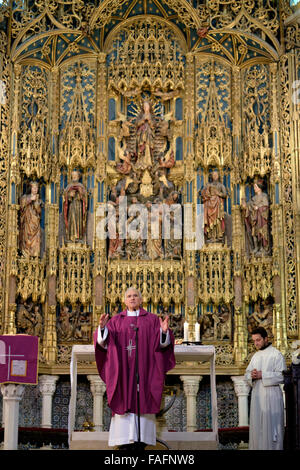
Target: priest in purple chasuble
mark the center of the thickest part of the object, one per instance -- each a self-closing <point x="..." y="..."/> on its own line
<point x="115" y="350"/>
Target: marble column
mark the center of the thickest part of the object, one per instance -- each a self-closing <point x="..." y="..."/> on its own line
<point x="98" y="389"/>
<point x="242" y="390"/>
<point x="47" y="387"/>
<point x="12" y="395"/>
<point x="191" y="387"/>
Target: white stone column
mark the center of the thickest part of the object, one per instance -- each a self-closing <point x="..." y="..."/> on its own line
<point x="98" y="389"/>
<point x="12" y="395"/>
<point x="242" y="390"/>
<point x="47" y="387"/>
<point x="191" y="387"/>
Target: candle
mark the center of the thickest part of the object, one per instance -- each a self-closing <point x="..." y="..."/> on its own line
<point x="185" y="331"/>
<point x="197" y="332"/>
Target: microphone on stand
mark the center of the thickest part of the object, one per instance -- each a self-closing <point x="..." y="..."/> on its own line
<point x="137" y="380"/>
<point x="137" y="375"/>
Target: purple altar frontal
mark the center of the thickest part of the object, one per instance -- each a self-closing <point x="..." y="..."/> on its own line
<point x="19" y="359"/>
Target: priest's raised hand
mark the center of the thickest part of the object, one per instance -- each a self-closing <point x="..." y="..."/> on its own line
<point x="103" y="320"/>
<point x="164" y="324"/>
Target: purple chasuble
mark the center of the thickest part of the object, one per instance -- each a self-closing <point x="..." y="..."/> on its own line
<point x="116" y="364"/>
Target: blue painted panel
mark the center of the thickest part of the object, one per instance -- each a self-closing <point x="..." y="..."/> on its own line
<point x="277" y="193"/>
<point x="112" y="109"/>
<point x="52" y="193"/>
<point x="179" y="149"/>
<point x="13" y="193"/>
<point x="111" y="149"/>
<point x="179" y="109"/>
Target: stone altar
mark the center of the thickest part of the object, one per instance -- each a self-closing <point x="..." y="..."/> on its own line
<point x="79" y="440"/>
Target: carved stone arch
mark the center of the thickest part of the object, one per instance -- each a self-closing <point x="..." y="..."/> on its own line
<point x="124" y="24"/>
<point x="238" y="53"/>
<point x="242" y="40"/>
<point x="145" y="52"/>
<point x="210" y="55"/>
<point x="253" y="22"/>
<point x="88" y="56"/>
<point x="213" y="100"/>
<point x="34" y="125"/>
<point x="103" y="14"/>
<point x="78" y="97"/>
<point x="24" y="61"/>
<point x="18" y="46"/>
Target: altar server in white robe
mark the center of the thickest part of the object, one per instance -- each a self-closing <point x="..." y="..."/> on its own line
<point x="264" y="375"/>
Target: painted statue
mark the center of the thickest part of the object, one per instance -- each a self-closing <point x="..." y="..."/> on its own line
<point x="262" y="316"/>
<point x="115" y="243"/>
<point x="65" y="327"/>
<point x="30" y="221"/>
<point x="256" y="217"/>
<point x="75" y="209"/>
<point x="82" y="330"/>
<point x="135" y="230"/>
<point x="154" y="240"/>
<point x="145" y="144"/>
<point x="145" y="157"/>
<point x="213" y="195"/>
<point x="223" y="323"/>
<point x="173" y="220"/>
<point x="29" y="319"/>
<point x="145" y="137"/>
